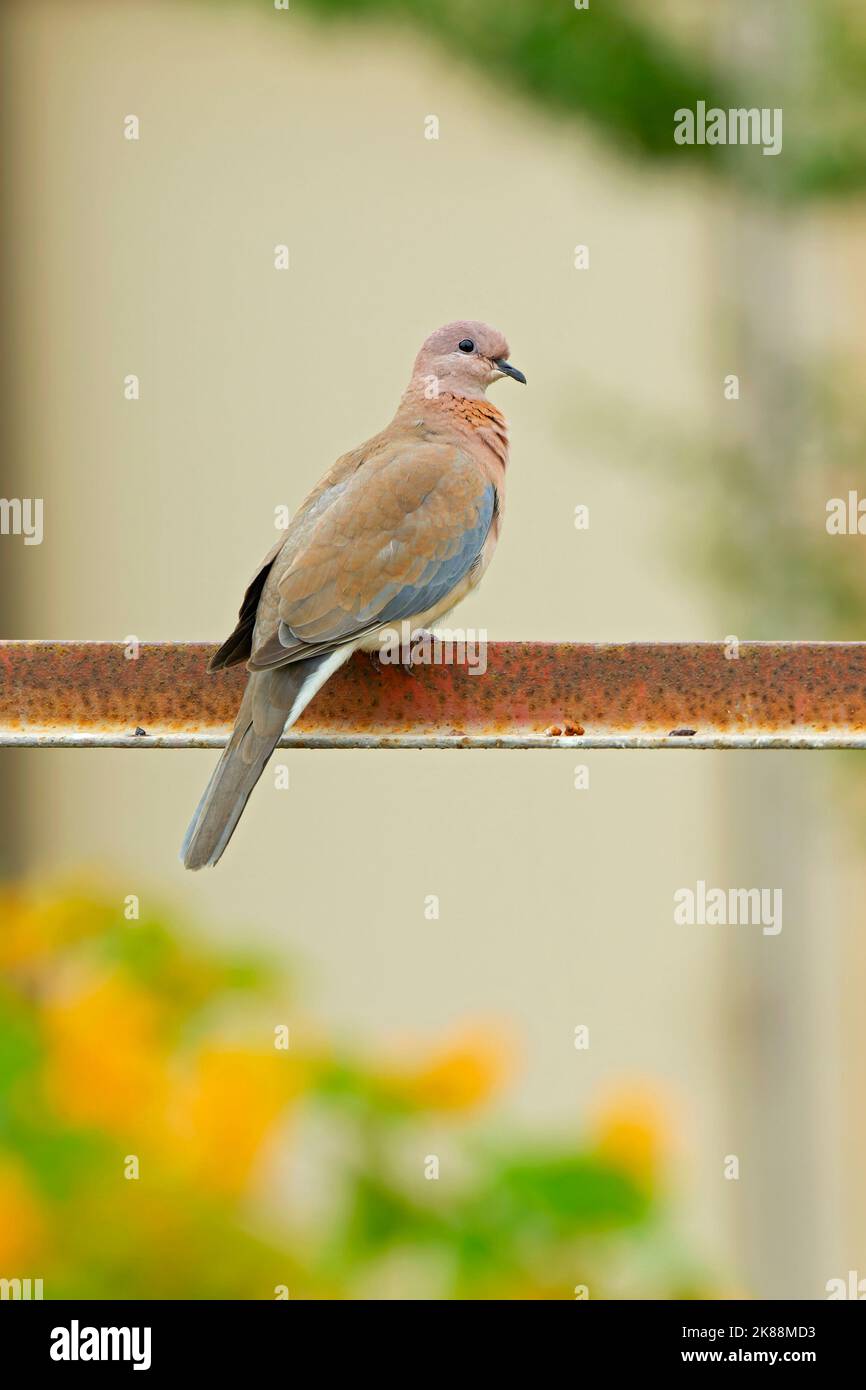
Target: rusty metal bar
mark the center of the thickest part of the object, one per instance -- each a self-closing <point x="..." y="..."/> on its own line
<point x="531" y="695"/>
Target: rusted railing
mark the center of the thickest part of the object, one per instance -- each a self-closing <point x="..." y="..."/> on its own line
<point x="531" y="695"/>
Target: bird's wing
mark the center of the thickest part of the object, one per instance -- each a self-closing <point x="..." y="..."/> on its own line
<point x="238" y="644"/>
<point x="396" y="536"/>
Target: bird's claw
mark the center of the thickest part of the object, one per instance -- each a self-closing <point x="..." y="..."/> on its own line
<point x="419" y="637"/>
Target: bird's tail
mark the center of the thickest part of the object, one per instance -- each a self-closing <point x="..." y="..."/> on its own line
<point x="272" y="700"/>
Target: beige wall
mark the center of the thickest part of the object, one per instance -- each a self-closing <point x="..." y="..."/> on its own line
<point x="156" y="258"/>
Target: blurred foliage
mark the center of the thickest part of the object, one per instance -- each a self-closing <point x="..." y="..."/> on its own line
<point x="620" y="66"/>
<point x="755" y="520"/>
<point x="262" y="1166"/>
<point x="608" y="65"/>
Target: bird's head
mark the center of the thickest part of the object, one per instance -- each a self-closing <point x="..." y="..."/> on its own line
<point x="464" y="357"/>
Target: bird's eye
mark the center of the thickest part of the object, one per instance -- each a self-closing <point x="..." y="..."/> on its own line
<point x="466" y="345"/>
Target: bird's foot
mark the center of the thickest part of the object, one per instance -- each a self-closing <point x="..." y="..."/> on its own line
<point x="417" y="653"/>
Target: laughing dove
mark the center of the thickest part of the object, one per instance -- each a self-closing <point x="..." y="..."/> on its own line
<point x="400" y="529"/>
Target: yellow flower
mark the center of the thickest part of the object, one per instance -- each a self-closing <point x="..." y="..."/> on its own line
<point x="226" y="1108"/>
<point x="461" y="1075"/>
<point x="34" y="925"/>
<point x="105" y="1063"/>
<point x="21" y="1221"/>
<point x="632" y="1132"/>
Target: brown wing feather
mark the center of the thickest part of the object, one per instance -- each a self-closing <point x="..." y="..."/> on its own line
<point x="238" y="644"/>
<point x="402" y="515"/>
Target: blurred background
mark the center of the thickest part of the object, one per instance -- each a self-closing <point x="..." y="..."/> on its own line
<point x="308" y="1167"/>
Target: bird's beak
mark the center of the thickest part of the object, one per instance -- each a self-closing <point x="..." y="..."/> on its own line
<point x="507" y="370"/>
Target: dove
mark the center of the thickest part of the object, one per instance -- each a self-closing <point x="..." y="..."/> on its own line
<point x="400" y="529"/>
